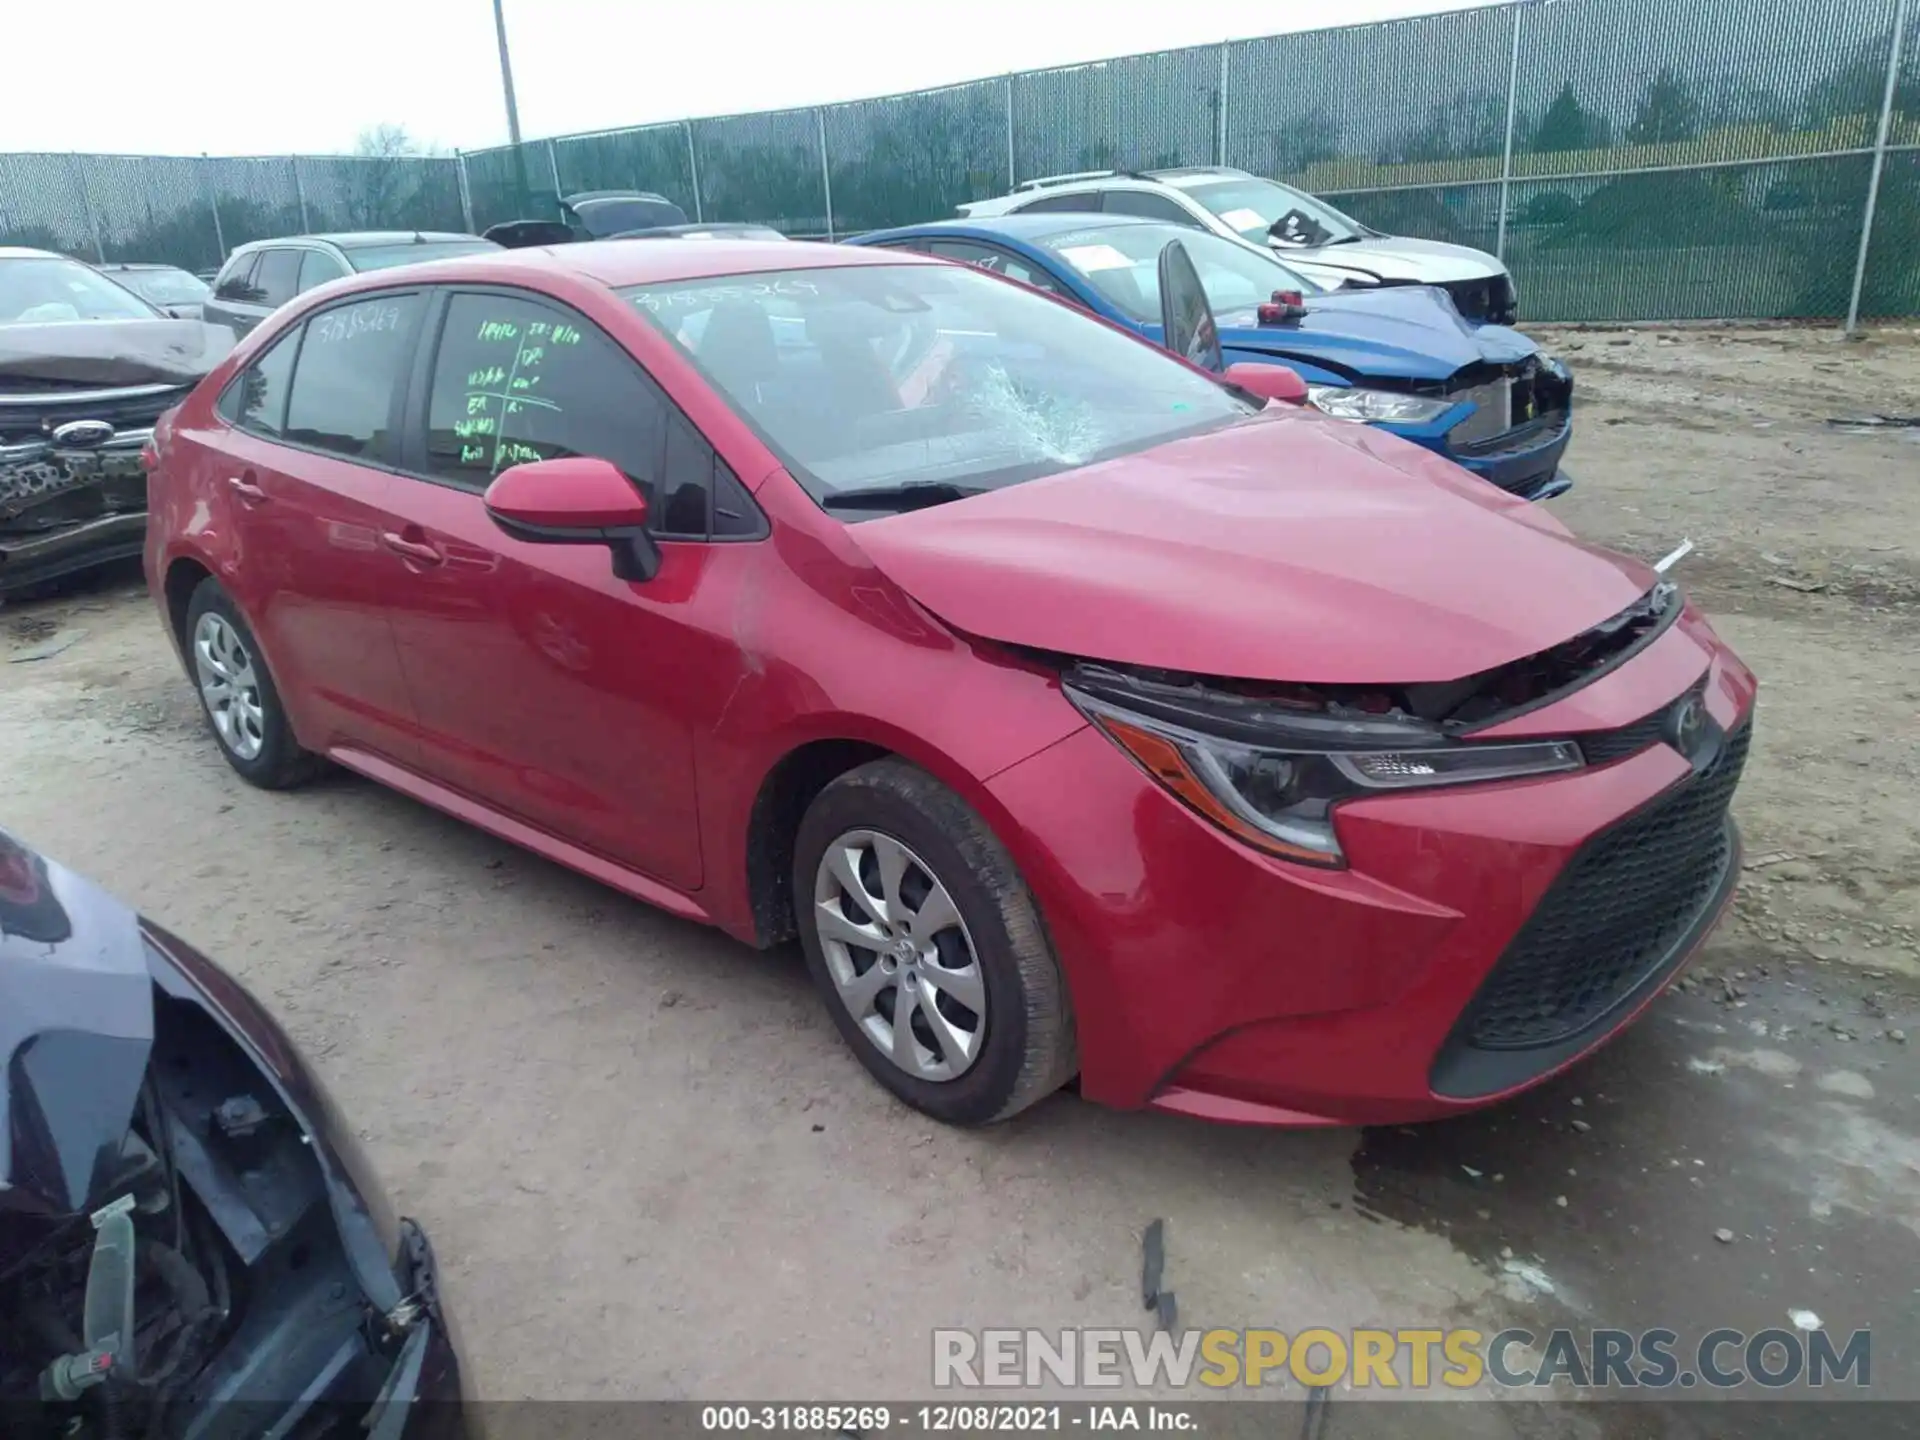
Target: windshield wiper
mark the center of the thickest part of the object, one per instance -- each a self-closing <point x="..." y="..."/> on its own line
<point x="914" y="496"/>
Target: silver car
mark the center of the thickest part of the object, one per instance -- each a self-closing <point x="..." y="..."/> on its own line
<point x="262" y="275"/>
<point x="1315" y="239"/>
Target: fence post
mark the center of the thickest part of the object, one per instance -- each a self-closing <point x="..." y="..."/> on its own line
<point x="213" y="204"/>
<point x="1879" y="163"/>
<point x="553" y="169"/>
<point x="1220" y="129"/>
<point x="86" y="204"/>
<point x="1506" y="161"/>
<point x="1010" y="175"/>
<point x="693" y="166"/>
<point x="466" y="190"/>
<point x="826" y="174"/>
<point x="300" y="194"/>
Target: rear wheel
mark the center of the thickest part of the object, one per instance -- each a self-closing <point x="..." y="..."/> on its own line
<point x="928" y="949"/>
<point x="238" y="695"/>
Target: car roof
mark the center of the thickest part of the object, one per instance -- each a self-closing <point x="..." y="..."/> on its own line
<point x="27" y="252"/>
<point x="356" y="239"/>
<point x="135" y="265"/>
<point x="619" y="263"/>
<point x="1032" y="227"/>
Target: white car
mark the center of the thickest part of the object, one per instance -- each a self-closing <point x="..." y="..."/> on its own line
<point x="1316" y="239"/>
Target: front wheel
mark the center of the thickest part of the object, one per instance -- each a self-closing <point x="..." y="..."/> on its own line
<point x="928" y="949"/>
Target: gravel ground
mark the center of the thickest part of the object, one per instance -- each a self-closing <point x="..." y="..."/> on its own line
<point x="651" y="1170"/>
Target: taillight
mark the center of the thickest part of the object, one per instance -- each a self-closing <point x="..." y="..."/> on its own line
<point x="149" y="457"/>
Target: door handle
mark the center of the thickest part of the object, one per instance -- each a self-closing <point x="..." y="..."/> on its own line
<point x="248" y="491"/>
<point x="414" y="550"/>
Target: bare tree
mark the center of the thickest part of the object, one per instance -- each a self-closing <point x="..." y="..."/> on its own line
<point x="385" y="176"/>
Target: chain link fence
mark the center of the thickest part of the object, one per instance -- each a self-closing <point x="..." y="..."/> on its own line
<point x="1628" y="159"/>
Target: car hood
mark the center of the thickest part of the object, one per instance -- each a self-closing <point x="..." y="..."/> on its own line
<point x="1396" y="257"/>
<point x="109" y="353"/>
<point x="1287" y="547"/>
<point x="1412" y="332"/>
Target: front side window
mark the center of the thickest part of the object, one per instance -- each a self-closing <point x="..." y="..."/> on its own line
<point x="37" y="289"/>
<point x="1122" y="262"/>
<point x="516" y="380"/>
<point x="1260" y="210"/>
<point x="869" y="378"/>
<point x="352" y="366"/>
<point x="256" y="398"/>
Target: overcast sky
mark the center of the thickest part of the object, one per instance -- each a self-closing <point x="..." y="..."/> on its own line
<point x="255" y="77"/>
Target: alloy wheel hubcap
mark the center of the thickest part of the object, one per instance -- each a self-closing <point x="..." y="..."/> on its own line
<point x="900" y="956"/>
<point x="229" y="686"/>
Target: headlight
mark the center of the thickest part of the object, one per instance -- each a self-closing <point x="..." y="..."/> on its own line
<point x="1279" y="796"/>
<point x="1345" y="403"/>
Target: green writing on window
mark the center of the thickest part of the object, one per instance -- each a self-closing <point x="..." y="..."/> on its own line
<point x="473" y="454"/>
<point x="482" y="426"/>
<point x="499" y="330"/>
<point x="491" y="375"/>
<point x="565" y="335"/>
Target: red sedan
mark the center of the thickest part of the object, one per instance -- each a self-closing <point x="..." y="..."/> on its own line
<point x="1081" y="715"/>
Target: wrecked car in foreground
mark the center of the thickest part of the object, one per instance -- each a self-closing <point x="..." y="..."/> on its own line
<point x="1082" y="710"/>
<point x="191" y="1242"/>
<point x="86" y="368"/>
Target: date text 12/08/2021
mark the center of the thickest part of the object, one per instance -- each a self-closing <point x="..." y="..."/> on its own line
<point x="944" y="1419"/>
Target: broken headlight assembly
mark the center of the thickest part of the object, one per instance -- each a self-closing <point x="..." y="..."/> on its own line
<point x="1271" y="780"/>
<point x="1373" y="406"/>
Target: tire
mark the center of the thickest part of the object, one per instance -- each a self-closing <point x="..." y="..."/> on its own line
<point x="251" y="726"/>
<point x="1020" y="1047"/>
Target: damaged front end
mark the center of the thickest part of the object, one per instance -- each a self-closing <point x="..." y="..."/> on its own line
<point x="78" y="405"/>
<point x="1268" y="762"/>
<point x="191" y="1243"/>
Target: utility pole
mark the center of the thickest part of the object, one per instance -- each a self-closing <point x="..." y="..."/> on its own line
<point x="513" y="110"/>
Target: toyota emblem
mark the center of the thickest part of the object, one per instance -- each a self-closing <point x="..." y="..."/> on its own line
<point x="1687" y="725"/>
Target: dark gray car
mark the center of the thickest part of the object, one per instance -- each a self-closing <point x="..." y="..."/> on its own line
<point x="261" y="276"/>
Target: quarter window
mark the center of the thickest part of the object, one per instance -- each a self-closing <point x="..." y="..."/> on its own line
<point x="352" y="366"/>
<point x="1079" y="200"/>
<point x="237" y="282"/>
<point x="1150" y="206"/>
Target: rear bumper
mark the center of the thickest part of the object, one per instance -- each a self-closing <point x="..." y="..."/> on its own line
<point x="32" y="557"/>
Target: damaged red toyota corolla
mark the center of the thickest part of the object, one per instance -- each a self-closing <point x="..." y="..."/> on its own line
<point x="1079" y="715"/>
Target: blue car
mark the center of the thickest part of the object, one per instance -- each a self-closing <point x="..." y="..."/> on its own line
<point x="1401" y="358"/>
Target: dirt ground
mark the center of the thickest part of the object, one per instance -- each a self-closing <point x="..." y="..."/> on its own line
<point x="651" y="1170"/>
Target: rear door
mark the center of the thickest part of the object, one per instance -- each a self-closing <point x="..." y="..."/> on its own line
<point x="308" y="475"/>
<point x="546" y="686"/>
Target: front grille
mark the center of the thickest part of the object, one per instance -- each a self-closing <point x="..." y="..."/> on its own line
<point x="1614" y="915"/>
<point x="1492" y="418"/>
<point x="1603" y="747"/>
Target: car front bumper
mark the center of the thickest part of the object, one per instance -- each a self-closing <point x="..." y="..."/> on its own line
<point x="35" y="557"/>
<point x="1211" y="980"/>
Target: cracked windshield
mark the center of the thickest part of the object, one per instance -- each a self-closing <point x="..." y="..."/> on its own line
<point x="871" y="379"/>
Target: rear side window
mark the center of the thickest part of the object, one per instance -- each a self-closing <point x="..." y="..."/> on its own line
<point x="278" y="277"/>
<point x="316" y="268"/>
<point x="236" y="282"/>
<point x="256" y="398"/>
<point x="1083" y="200"/>
<point x="350" y="375"/>
<point x="1153" y="207"/>
<point x="516" y="381"/>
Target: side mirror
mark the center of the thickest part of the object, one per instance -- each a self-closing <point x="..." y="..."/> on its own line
<point x="1187" y="326"/>
<point x="580" y="500"/>
<point x="1269" y="382"/>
